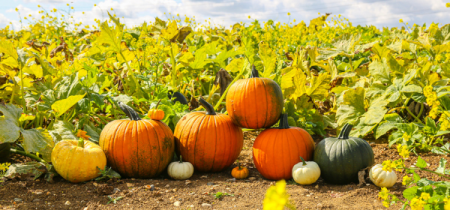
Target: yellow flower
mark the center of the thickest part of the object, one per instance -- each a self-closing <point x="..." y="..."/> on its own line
<point x="417" y="204"/>
<point x="386" y="204"/>
<point x="39" y="5"/>
<point x="425" y="196"/>
<point x="4" y="166"/>
<point x="403" y="150"/>
<point x="406" y="136"/>
<point x="112" y="9"/>
<point x="446" y="204"/>
<point x="82" y="134"/>
<point x="384" y="193"/>
<point x="406" y="180"/>
<point x="401" y="20"/>
<point x="249" y="17"/>
<point x="71" y="7"/>
<point x="276" y="196"/>
<point x="447" y="5"/>
<point x="434" y="112"/>
<point x="17" y="9"/>
<point x="289" y="13"/>
<point x="95" y="5"/>
<point x="67" y="4"/>
<point x="83" y="13"/>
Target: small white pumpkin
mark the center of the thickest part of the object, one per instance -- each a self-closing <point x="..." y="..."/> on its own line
<point x="306" y="172"/>
<point x="180" y="170"/>
<point x="382" y="178"/>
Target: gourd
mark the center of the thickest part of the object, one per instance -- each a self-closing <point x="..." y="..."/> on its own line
<point x="78" y="161"/>
<point x="277" y="150"/>
<point x="340" y="159"/>
<point x="156" y="114"/>
<point x="180" y="170"/>
<point x="240" y="172"/>
<point x="382" y="178"/>
<point x="4" y="152"/>
<point x="254" y="102"/>
<point x="137" y="148"/>
<point x="306" y="172"/>
<point x="210" y="141"/>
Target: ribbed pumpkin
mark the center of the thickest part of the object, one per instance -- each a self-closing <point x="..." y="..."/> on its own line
<point x="210" y="141"/>
<point x="4" y="152"/>
<point x="277" y="150"/>
<point x="156" y="114"/>
<point x="240" y="172"/>
<point x="135" y="147"/>
<point x="77" y="161"/>
<point x="340" y="159"/>
<point x="254" y="102"/>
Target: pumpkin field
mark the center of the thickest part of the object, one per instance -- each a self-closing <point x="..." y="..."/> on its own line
<point x="177" y="113"/>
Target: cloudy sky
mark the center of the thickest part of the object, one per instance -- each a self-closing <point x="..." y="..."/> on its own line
<point x="226" y="12"/>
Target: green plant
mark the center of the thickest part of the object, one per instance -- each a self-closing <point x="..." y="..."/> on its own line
<point x="106" y="174"/>
<point x="219" y="195"/>
<point x="113" y="200"/>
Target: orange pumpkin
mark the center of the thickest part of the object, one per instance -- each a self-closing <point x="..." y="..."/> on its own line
<point x="156" y="114"/>
<point x="240" y="172"/>
<point x="254" y="102"/>
<point x="277" y="150"/>
<point x="137" y="148"/>
<point x="210" y="141"/>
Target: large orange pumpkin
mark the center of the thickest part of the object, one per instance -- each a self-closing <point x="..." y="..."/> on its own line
<point x="137" y="148"/>
<point x="210" y="141"/>
<point x="277" y="150"/>
<point x="254" y="102"/>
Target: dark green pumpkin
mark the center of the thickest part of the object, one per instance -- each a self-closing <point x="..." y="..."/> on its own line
<point x="340" y="159"/>
<point x="4" y="152"/>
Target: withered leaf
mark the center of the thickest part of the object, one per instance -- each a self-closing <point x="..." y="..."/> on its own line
<point x="223" y="79"/>
<point x="193" y="104"/>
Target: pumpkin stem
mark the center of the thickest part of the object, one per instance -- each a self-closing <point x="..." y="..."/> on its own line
<point x="181" y="159"/>
<point x="133" y="115"/>
<point x="345" y="132"/>
<point x="284" y="124"/>
<point x="255" y="73"/>
<point x="239" y="165"/>
<point x="303" y="161"/>
<point x="158" y="104"/>
<point x="208" y="107"/>
<point x="81" y="142"/>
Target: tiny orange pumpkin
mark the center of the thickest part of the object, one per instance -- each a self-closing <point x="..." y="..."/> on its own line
<point x="156" y="114"/>
<point x="240" y="172"/>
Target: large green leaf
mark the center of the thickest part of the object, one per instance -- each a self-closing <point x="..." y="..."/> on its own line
<point x="380" y="71"/>
<point x="110" y="37"/>
<point x="269" y="59"/>
<point x="38" y="140"/>
<point x="61" y="106"/>
<point x="9" y="123"/>
<point x="62" y="130"/>
<point x="352" y="106"/>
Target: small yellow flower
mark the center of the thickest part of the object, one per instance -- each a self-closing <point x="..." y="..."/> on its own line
<point x="417" y="204"/>
<point x="17" y="9"/>
<point x="249" y="17"/>
<point x="83" y="13"/>
<point x="67" y="4"/>
<point x="112" y="9"/>
<point x="446" y="204"/>
<point x="384" y="193"/>
<point x="406" y="180"/>
<point x="39" y="5"/>
<point x="401" y="20"/>
<point x="71" y="7"/>
<point x="95" y="5"/>
<point x="447" y="5"/>
<point x="82" y="134"/>
<point x="386" y="204"/>
<point x="425" y="196"/>
<point x="289" y="14"/>
<point x="406" y="136"/>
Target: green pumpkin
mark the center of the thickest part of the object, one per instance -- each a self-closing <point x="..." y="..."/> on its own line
<point x="340" y="159"/>
<point x="4" y="152"/>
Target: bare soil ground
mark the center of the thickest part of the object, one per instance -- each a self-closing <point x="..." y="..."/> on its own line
<point x="198" y="192"/>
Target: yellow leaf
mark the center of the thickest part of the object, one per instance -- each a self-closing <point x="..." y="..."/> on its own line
<point x="171" y="31"/>
<point x="61" y="106"/>
<point x="235" y="65"/>
<point x="8" y="48"/>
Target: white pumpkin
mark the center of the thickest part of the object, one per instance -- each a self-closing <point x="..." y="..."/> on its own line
<point x="180" y="170"/>
<point x="306" y="172"/>
<point x="382" y="178"/>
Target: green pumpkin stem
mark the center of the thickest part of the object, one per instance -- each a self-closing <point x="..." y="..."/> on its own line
<point x="303" y="161"/>
<point x="81" y="142"/>
<point x="209" y="108"/>
<point x="158" y="104"/>
<point x="255" y="73"/>
<point x="284" y="124"/>
<point x="133" y="115"/>
<point x="345" y="132"/>
<point x="181" y="159"/>
<point x="239" y="165"/>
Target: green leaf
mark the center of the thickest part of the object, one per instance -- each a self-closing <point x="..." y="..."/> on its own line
<point x="25" y="170"/>
<point x="380" y="71"/>
<point x="412" y="89"/>
<point x="9" y="123"/>
<point x="421" y="163"/>
<point x="269" y="59"/>
<point x="320" y="86"/>
<point x="352" y="106"/>
<point x="108" y="36"/>
<point x="38" y="140"/>
<point x="123" y="98"/>
<point x="63" y="130"/>
<point x="441" y="167"/>
<point x="61" y="106"/>
<point x="410" y="193"/>
<point x="90" y="131"/>
<point x="384" y="128"/>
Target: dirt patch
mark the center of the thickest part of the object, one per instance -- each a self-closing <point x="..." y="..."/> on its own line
<point x="198" y="192"/>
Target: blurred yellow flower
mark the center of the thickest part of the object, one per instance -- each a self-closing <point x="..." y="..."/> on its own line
<point x="276" y="197"/>
<point x="288" y="13"/>
<point x="401" y="20"/>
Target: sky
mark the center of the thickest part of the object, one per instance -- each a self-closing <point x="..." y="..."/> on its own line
<point x="380" y="13"/>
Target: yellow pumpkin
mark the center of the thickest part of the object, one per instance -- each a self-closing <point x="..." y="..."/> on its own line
<point x="156" y="114"/>
<point x="240" y="172"/>
<point x="78" y="161"/>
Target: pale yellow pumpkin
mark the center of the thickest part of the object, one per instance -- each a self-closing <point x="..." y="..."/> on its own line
<point x="180" y="170"/>
<point x="382" y="178"/>
<point x="306" y="172"/>
<point x="78" y="161"/>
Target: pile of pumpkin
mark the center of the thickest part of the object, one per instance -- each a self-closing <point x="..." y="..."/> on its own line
<point x="211" y="142"/>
